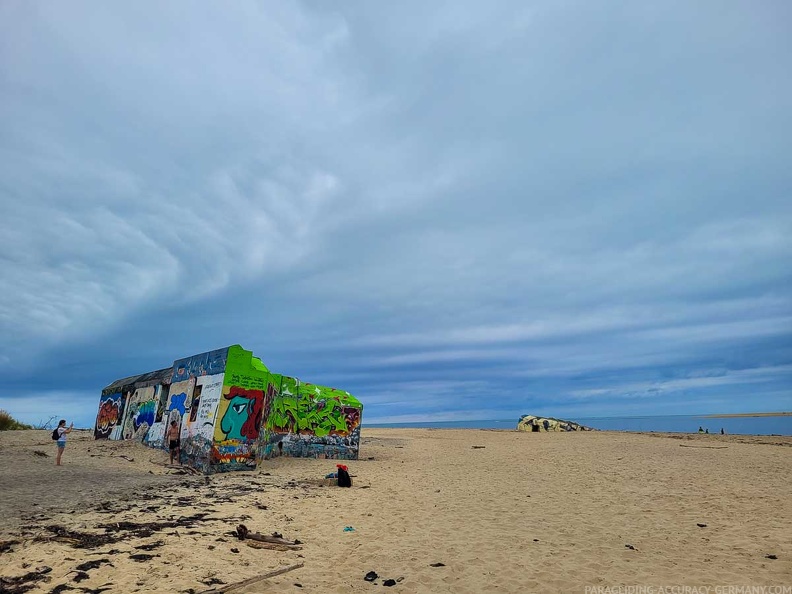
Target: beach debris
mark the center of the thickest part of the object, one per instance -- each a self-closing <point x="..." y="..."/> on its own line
<point x="141" y="557"/>
<point x="631" y="547"/>
<point x="389" y="583"/>
<point x="23" y="583"/>
<point x="700" y="525"/>
<point x="5" y="545"/>
<point x="297" y="584"/>
<point x="99" y="590"/>
<point x="370" y="576"/>
<point x="253" y="580"/>
<point x="95" y="564"/>
<point x="77" y="540"/>
<point x="243" y="532"/>
<point x="437" y="565"/>
<point x="110" y="552"/>
<point x="234" y="550"/>
<point x="771" y="556"/>
<point x="40" y="453"/>
<point x="80" y="576"/>
<point x="150" y="546"/>
<point x="212" y="581"/>
<point x="255" y="544"/>
<point x="348" y="529"/>
<point x="144" y="529"/>
<point x="478" y="447"/>
<point x="682" y="445"/>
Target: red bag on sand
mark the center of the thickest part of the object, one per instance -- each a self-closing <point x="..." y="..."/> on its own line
<point x="344" y="480"/>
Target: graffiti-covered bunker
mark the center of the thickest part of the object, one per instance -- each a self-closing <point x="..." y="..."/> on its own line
<point x="233" y="412"/>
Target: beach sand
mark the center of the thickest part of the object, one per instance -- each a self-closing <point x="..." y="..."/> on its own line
<point x="502" y="511"/>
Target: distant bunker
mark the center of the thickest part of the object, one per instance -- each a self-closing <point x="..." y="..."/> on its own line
<point x="535" y="424"/>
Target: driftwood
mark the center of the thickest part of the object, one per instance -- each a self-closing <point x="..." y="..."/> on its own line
<point x="682" y="445"/>
<point x="255" y="544"/>
<point x="249" y="581"/>
<point x="243" y="533"/>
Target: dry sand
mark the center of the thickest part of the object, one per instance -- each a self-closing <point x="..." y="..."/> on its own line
<point x="526" y="512"/>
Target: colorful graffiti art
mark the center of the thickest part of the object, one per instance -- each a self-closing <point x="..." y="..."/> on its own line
<point x="179" y="400"/>
<point x="312" y="411"/>
<point x="233" y="454"/>
<point x="210" y="363"/>
<point x="312" y="421"/>
<point x="111" y="408"/>
<point x="237" y="427"/>
<point x="198" y="427"/>
<point x="144" y="418"/>
<point x="242" y="417"/>
<point x="155" y="437"/>
<point x="136" y="414"/>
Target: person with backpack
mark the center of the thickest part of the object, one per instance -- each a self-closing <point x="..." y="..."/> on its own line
<point x="59" y="435"/>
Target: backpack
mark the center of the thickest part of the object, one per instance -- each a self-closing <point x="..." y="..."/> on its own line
<point x="344" y="480"/>
<point x="55" y="435"/>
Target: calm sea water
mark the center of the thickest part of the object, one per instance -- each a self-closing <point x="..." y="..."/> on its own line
<point x="779" y="425"/>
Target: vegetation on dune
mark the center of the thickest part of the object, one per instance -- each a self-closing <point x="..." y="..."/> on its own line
<point x="9" y="423"/>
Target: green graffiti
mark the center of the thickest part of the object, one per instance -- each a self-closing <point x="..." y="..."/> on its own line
<point x="311" y="410"/>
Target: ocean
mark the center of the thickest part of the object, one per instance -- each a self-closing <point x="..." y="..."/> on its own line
<point x="775" y="425"/>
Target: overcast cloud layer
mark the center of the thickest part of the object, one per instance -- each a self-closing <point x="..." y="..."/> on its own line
<point x="463" y="211"/>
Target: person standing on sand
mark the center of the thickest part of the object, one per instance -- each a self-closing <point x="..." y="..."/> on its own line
<point x="62" y="431"/>
<point x="173" y="442"/>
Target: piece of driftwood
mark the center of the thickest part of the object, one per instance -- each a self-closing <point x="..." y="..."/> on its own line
<point x="682" y="445"/>
<point x="253" y="580"/>
<point x="255" y="544"/>
<point x="242" y="532"/>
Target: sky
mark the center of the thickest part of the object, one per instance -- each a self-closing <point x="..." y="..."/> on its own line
<point x="454" y="210"/>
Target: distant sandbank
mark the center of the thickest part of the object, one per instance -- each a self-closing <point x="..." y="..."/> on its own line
<point x="758" y="414"/>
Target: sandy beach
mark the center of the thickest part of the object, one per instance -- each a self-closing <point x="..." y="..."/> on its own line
<point x="501" y="511"/>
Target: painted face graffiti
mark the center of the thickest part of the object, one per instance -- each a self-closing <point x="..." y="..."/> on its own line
<point x="242" y="418"/>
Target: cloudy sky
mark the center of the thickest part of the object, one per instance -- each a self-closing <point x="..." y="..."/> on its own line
<point x="454" y="210"/>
